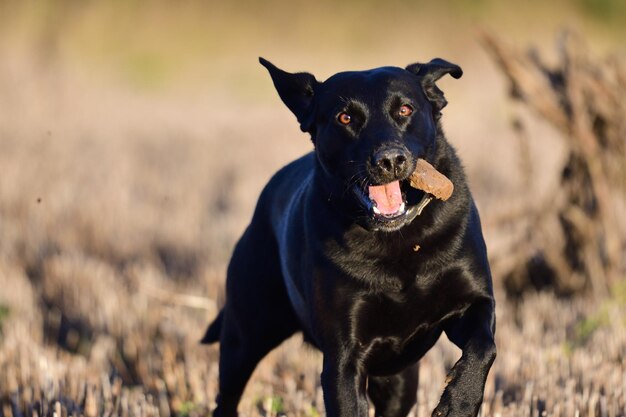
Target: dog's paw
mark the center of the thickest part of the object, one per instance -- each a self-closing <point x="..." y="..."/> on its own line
<point x="451" y="406"/>
<point x="440" y="411"/>
<point x="452" y="410"/>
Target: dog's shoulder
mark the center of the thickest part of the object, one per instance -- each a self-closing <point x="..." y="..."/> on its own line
<point x="291" y="175"/>
<point x="282" y="196"/>
<point x="288" y="180"/>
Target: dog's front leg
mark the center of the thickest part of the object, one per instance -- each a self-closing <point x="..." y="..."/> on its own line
<point x="474" y="334"/>
<point x="343" y="383"/>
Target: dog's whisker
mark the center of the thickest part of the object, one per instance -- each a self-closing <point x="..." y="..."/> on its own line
<point x="359" y="178"/>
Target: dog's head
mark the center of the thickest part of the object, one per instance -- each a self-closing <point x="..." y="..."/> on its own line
<point x="369" y="128"/>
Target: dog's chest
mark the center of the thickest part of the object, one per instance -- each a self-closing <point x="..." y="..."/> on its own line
<point x="401" y="315"/>
<point x="400" y="328"/>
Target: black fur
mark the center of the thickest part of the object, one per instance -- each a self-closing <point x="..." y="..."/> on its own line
<point x="372" y="293"/>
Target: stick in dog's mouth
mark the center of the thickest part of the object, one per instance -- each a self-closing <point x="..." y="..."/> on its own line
<point x="428" y="179"/>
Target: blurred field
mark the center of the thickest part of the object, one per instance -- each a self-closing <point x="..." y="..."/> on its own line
<point x="134" y="139"/>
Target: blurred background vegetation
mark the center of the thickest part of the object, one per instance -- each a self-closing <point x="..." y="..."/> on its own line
<point x="167" y="44"/>
<point x="135" y="137"/>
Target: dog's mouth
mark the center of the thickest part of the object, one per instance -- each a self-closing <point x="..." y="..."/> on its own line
<point x="392" y="205"/>
<point x="387" y="199"/>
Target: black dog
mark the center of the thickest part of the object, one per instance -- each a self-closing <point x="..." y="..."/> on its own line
<point x="340" y="249"/>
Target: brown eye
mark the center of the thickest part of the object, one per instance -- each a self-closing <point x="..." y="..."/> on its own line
<point x="344" y="118"/>
<point x="405" y="110"/>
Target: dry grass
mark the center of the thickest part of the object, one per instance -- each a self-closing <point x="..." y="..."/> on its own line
<point x="118" y="211"/>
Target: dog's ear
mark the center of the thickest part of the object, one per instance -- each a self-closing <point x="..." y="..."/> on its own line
<point x="429" y="74"/>
<point x="296" y="91"/>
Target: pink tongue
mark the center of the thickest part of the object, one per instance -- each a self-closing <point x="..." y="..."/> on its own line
<point x="388" y="197"/>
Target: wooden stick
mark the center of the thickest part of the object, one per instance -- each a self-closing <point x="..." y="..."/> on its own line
<point x="428" y="179"/>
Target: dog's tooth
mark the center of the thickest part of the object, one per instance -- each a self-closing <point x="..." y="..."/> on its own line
<point x="401" y="209"/>
<point x="376" y="210"/>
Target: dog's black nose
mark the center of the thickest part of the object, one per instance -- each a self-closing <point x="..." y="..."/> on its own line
<point x="390" y="162"/>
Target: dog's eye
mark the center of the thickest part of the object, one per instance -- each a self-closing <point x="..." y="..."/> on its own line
<point x="405" y="110"/>
<point x="344" y="118"/>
